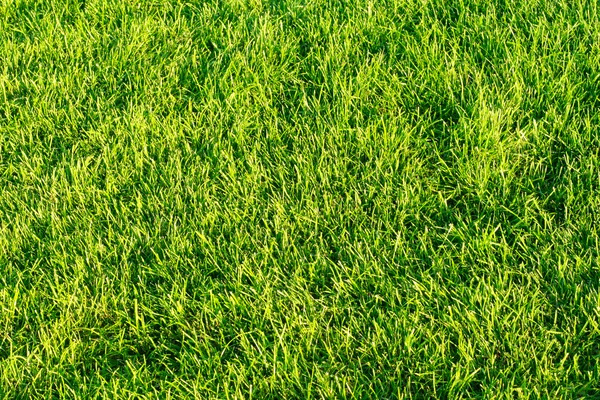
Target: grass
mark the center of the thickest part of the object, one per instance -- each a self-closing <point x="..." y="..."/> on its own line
<point x="299" y="199"/>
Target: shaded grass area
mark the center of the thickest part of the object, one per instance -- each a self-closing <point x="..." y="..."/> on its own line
<point x="299" y="199"/>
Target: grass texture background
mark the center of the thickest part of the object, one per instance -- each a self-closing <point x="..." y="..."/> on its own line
<point x="299" y="199"/>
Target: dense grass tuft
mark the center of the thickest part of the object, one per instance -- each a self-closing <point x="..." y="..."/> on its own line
<point x="299" y="199"/>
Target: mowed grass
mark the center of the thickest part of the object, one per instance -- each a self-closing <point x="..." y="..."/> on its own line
<point x="296" y="199"/>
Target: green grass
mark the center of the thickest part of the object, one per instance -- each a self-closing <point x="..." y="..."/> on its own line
<point x="295" y="199"/>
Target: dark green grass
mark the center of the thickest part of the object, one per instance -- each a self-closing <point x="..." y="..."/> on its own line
<point x="299" y="199"/>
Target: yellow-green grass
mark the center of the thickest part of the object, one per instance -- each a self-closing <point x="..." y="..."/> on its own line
<point x="296" y="199"/>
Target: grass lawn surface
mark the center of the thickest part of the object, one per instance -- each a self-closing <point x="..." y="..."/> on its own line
<point x="299" y="199"/>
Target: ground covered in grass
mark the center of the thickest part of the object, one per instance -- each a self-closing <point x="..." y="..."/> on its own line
<point x="299" y="199"/>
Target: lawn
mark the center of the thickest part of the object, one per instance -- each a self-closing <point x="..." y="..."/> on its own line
<point x="299" y="199"/>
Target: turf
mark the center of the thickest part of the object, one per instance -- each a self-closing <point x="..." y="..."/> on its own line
<point x="296" y="199"/>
